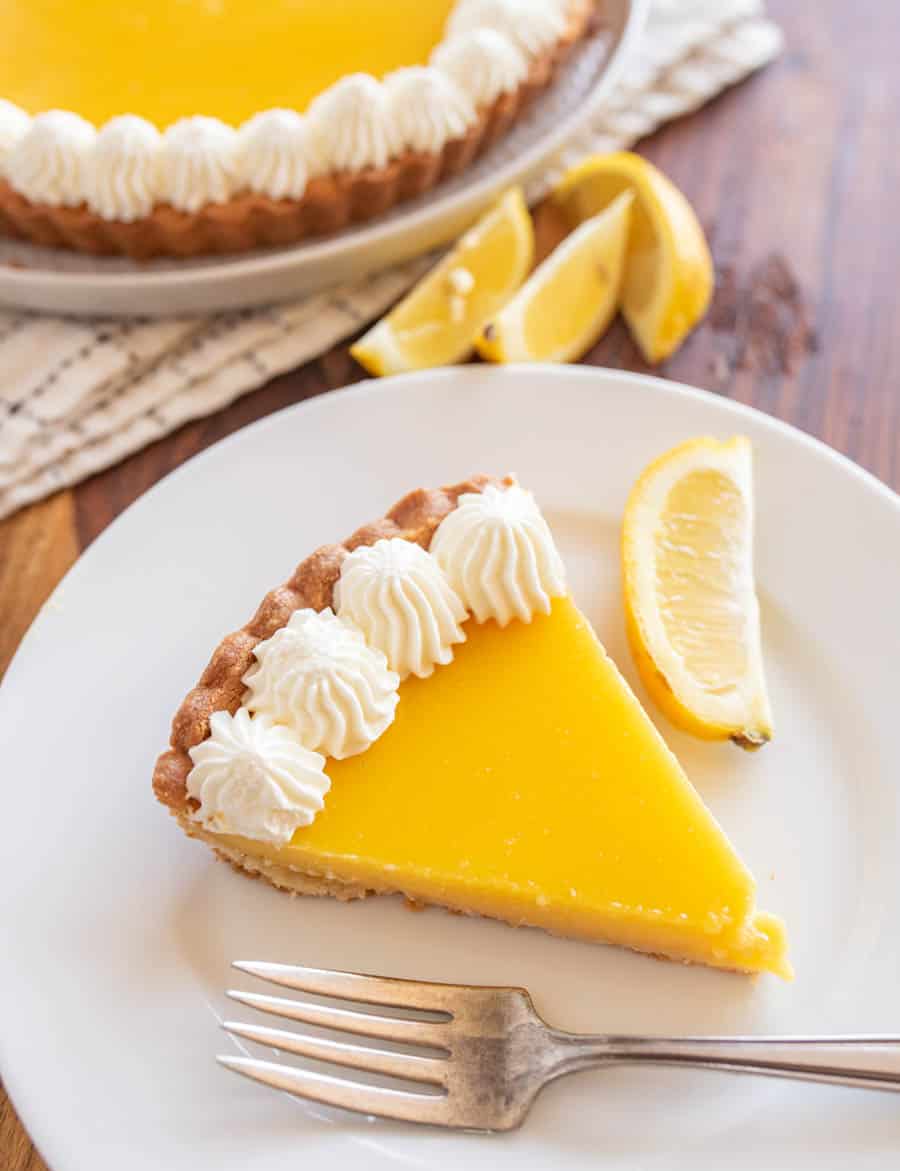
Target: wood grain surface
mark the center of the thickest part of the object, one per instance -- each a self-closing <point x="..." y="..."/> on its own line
<point x="794" y="175"/>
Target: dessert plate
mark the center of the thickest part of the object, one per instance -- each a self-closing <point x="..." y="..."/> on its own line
<point x="120" y="932"/>
<point x="53" y="281"/>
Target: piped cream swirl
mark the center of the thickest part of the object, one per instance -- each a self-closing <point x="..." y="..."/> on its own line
<point x="48" y="164"/>
<point x="483" y="63"/>
<point x="318" y="676"/>
<point x="199" y="163"/>
<point x="498" y="554"/>
<point x="532" y="25"/>
<point x="254" y="778"/>
<point x="123" y="175"/>
<point x="274" y="154"/>
<point x="351" y="127"/>
<point x="427" y="108"/>
<point x="14" y="125"/>
<point x="397" y="595"/>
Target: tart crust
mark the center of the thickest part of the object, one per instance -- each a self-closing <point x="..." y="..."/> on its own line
<point x="329" y="203"/>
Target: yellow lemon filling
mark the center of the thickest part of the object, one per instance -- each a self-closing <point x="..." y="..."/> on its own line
<point x="227" y="59"/>
<point x="525" y="782"/>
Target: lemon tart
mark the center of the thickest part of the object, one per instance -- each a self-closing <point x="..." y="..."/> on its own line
<point x="182" y="127"/>
<point x="424" y="710"/>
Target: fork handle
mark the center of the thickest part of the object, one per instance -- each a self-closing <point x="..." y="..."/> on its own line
<point x="869" y="1062"/>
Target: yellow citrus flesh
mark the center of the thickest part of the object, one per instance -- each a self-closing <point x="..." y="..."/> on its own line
<point x="228" y="59"/>
<point x="669" y="278"/>
<point x="568" y="301"/>
<point x="524" y="781"/>
<point x="691" y="607"/>
<point x="437" y="323"/>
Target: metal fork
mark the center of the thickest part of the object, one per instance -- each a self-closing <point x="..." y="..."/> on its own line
<point x="495" y="1052"/>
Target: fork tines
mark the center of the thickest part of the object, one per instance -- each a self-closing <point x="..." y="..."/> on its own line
<point x="409" y="1105"/>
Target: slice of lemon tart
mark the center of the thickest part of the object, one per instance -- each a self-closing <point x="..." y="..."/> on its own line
<point x="182" y="127"/>
<point x="425" y="710"/>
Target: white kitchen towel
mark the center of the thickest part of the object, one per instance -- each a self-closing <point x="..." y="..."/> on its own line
<point x="76" y="396"/>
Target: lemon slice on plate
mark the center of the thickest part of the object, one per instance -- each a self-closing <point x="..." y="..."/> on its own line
<point x="690" y="599"/>
<point x="669" y="275"/>
<point x="569" y="300"/>
<point x="437" y="322"/>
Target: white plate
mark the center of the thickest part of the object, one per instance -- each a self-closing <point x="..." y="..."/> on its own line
<point x="120" y="930"/>
<point x="59" y="282"/>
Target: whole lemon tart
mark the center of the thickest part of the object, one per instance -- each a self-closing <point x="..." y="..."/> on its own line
<point x="184" y="127"/>
<point x="424" y="710"/>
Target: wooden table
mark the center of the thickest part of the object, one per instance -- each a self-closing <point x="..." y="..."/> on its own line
<point x="795" y="177"/>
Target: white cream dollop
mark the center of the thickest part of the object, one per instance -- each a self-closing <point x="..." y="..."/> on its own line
<point x="14" y="125"/>
<point x="532" y="25"/>
<point x="483" y="63"/>
<point x="427" y="108"/>
<point x="254" y="778"/>
<point x="397" y="595"/>
<point x="274" y="154"/>
<point x="318" y="675"/>
<point x="498" y="554"/>
<point x="350" y="126"/>
<point x="122" y="180"/>
<point x="49" y="164"/>
<point x="199" y="163"/>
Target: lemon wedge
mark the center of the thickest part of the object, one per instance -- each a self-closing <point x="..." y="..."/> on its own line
<point x="669" y="275"/>
<point x="569" y="300"/>
<point x="690" y="601"/>
<point x="437" y="322"/>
